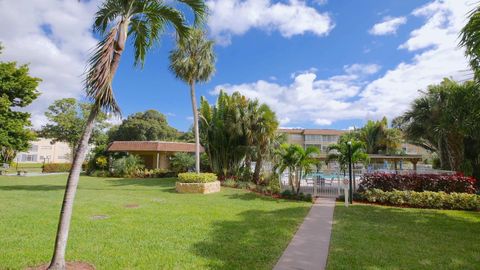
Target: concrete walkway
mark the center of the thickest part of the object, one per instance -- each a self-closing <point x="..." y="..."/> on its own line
<point x="308" y="249"/>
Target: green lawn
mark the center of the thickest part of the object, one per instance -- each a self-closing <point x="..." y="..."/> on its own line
<point x="233" y="229"/>
<point x="376" y="237"/>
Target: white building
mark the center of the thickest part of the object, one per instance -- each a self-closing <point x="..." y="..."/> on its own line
<point x="42" y="150"/>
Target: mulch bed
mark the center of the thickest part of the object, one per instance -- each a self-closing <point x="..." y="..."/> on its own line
<point x="70" y="266"/>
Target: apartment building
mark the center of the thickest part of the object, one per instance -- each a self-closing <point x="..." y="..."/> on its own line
<point x="42" y="150"/>
<point x="319" y="138"/>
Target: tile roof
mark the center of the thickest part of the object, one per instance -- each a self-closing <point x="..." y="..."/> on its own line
<point x="155" y="146"/>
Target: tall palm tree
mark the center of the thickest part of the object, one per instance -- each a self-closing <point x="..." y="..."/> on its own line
<point x="193" y="61"/>
<point x="339" y="152"/>
<point x="144" y="20"/>
<point x="470" y="40"/>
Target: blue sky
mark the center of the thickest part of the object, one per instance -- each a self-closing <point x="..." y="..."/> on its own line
<point x="318" y="64"/>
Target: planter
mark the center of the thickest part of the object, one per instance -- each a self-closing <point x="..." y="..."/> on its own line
<point x="203" y="188"/>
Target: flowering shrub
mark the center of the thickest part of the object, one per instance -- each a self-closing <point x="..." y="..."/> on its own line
<point x="418" y="182"/>
<point x="426" y="199"/>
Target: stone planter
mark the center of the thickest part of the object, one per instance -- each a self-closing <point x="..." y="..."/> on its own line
<point x="203" y="188"/>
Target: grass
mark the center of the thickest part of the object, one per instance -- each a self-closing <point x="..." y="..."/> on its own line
<point x="232" y="229"/>
<point x="377" y="237"/>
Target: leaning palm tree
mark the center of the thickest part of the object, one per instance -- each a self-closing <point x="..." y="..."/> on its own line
<point x="470" y="40"/>
<point x="193" y="61"/>
<point x="144" y="20"/>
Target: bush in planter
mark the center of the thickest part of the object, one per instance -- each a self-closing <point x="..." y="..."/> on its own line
<point x="192" y="177"/>
<point x="426" y="199"/>
<point x="418" y="182"/>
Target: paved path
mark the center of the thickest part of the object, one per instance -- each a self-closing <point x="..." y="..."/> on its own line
<point x="308" y="249"/>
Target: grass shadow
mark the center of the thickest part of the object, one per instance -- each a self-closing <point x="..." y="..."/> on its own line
<point x="250" y="196"/>
<point x="256" y="241"/>
<point x="33" y="187"/>
<point x="164" y="184"/>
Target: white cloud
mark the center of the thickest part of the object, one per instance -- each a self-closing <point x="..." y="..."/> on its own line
<point x="236" y="17"/>
<point x="387" y="26"/>
<point x="350" y="96"/>
<point x="53" y="37"/>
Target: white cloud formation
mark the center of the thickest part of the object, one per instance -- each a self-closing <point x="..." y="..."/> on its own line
<point x="352" y="96"/>
<point x="236" y="17"/>
<point x="54" y="38"/>
<point x="387" y="26"/>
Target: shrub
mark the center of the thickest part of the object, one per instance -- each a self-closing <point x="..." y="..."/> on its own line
<point x="99" y="173"/>
<point x="242" y="184"/>
<point x="230" y="183"/>
<point x="56" y="167"/>
<point x="274" y="184"/>
<point x="288" y="194"/>
<point x="418" y="182"/>
<point x="426" y="199"/>
<point x="129" y="166"/>
<point x="197" y="177"/>
<point x="252" y="186"/>
<point x="182" y="162"/>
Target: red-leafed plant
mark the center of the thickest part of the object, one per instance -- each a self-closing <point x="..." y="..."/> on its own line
<point x="418" y="182"/>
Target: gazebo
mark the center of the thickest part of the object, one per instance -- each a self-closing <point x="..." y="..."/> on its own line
<point x="396" y="159"/>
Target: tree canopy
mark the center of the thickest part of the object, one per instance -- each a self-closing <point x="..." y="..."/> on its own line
<point x="150" y="125"/>
<point x="17" y="90"/>
<point x="67" y="119"/>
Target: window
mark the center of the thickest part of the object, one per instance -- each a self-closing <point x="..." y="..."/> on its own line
<point x="295" y="136"/>
<point x="28" y="158"/>
<point x="34" y="148"/>
<point x="313" y="138"/>
<point x="46" y="147"/>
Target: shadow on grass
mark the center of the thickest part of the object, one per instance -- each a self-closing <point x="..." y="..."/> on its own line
<point x="250" y="196"/>
<point x="33" y="187"/>
<point x="374" y="237"/>
<point x="256" y="241"/>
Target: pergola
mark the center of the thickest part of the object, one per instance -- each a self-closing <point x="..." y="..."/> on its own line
<point x="395" y="159"/>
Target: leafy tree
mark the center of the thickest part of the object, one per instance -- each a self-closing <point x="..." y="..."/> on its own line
<point x="150" y="125"/>
<point x="193" y="61"/>
<point x="67" y="119"/>
<point x="182" y="162"/>
<point x="445" y="120"/>
<point x="17" y="90"/>
<point x="378" y="138"/>
<point x="144" y="21"/>
<point x="298" y="161"/>
<point x="188" y="136"/>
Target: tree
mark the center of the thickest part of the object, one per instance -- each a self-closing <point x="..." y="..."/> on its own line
<point x="298" y="161"/>
<point x="470" y="40"/>
<point x="67" y="119"/>
<point x="144" y="21"/>
<point x="378" y="138"/>
<point x="182" y="162"/>
<point x="193" y="61"/>
<point x="340" y="152"/>
<point x="150" y="125"/>
<point x="17" y="90"/>
<point x="445" y="120"/>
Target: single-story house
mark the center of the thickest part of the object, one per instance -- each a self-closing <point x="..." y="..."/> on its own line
<point x="155" y="154"/>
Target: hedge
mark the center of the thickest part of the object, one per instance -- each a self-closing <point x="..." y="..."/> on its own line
<point x="192" y="177"/>
<point x="426" y="199"/>
<point x="59" y="167"/>
<point x="418" y="182"/>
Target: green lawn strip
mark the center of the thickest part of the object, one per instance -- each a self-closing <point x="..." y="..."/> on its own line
<point x="232" y="229"/>
<point x="379" y="237"/>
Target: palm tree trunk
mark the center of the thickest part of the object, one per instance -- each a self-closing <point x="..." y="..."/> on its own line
<point x="58" y="260"/>
<point x="258" y="167"/>
<point x="195" y="126"/>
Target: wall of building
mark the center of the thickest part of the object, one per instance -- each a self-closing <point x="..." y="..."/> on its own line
<point x="42" y="150"/>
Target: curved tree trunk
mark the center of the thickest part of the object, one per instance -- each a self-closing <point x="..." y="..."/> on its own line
<point x="58" y="260"/>
<point x="195" y="127"/>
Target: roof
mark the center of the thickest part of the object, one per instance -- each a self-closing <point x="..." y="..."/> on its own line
<point x="155" y="146"/>
<point x="312" y="131"/>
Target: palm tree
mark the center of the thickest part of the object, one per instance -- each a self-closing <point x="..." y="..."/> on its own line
<point x="470" y="40"/>
<point x="298" y="161"/>
<point x="193" y="61"/>
<point x="339" y="152"/>
<point x="144" y="20"/>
